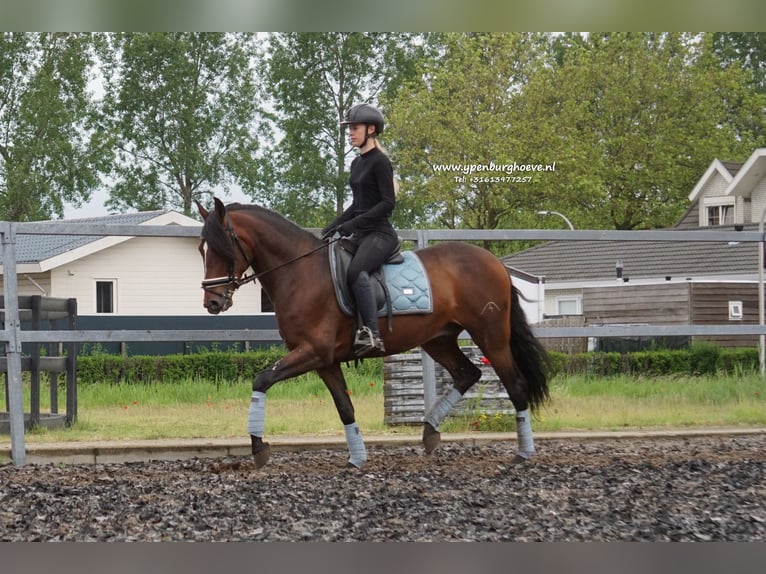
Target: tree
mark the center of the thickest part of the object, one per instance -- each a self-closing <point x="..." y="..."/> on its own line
<point x="461" y="114"/>
<point x="313" y="78"/>
<point x="48" y="155"/>
<point x="746" y="50"/>
<point x="633" y="120"/>
<point x="182" y="109"/>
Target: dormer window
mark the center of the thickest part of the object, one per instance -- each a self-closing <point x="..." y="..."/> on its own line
<point x="720" y="214"/>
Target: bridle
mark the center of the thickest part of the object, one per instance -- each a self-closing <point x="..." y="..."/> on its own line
<point x="232" y="282"/>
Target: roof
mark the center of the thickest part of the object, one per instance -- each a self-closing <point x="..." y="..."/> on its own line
<point x="36" y="248"/>
<point x="732" y="166"/>
<point x="725" y="169"/>
<point x="750" y="175"/>
<point x="596" y="260"/>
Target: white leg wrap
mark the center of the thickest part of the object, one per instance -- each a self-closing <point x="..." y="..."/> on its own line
<point x="526" y="443"/>
<point x="442" y="408"/>
<point x="256" y="417"/>
<point x="356" y="449"/>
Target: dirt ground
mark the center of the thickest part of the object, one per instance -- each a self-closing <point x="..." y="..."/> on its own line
<point x="668" y="489"/>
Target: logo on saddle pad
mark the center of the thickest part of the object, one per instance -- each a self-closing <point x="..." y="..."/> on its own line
<point x="402" y="280"/>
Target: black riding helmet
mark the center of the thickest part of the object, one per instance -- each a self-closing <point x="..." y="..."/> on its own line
<point x="364" y="114"/>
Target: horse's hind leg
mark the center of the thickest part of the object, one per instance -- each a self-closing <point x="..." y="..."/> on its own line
<point x="502" y="362"/>
<point x="464" y="373"/>
<point x="336" y="383"/>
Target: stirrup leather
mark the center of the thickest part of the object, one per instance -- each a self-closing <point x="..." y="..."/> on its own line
<point x="366" y="342"/>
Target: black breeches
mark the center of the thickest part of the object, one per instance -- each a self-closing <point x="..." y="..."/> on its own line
<point x="371" y="252"/>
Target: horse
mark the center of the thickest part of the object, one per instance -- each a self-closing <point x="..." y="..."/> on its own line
<point x="471" y="290"/>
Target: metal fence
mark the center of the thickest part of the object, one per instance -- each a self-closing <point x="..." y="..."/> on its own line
<point x="14" y="337"/>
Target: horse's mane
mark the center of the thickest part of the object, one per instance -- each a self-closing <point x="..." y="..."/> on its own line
<point x="217" y="237"/>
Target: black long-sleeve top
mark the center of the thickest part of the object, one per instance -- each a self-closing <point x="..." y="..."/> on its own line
<point x="374" y="199"/>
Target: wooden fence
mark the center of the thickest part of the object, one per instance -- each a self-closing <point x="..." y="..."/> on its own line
<point x="37" y="310"/>
<point x="404" y="397"/>
<point x="568" y="345"/>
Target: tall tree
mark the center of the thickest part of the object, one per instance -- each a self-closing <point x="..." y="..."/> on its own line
<point x="746" y="50"/>
<point x="48" y="157"/>
<point x="460" y="115"/>
<point x="183" y="111"/>
<point x="633" y="119"/>
<point x="313" y="78"/>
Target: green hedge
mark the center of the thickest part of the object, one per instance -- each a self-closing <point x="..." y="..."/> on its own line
<point x="700" y="359"/>
<point x="213" y="366"/>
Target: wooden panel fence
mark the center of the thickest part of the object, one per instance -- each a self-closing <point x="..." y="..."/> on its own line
<point x="37" y="310"/>
<point x="404" y="394"/>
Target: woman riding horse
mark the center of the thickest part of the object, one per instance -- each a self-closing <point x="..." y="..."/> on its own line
<point x="367" y="219"/>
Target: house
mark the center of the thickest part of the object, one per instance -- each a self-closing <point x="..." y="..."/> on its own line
<point x="661" y="282"/>
<point x="131" y="282"/>
<point x="119" y="275"/>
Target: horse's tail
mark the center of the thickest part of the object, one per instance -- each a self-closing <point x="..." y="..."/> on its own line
<point x="530" y="356"/>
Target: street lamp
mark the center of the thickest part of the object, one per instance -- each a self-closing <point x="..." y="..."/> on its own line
<point x="561" y="215"/>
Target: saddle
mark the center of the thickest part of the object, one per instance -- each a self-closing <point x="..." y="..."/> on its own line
<point x="400" y="285"/>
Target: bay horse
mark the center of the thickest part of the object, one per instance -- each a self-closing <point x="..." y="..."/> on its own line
<point x="471" y="291"/>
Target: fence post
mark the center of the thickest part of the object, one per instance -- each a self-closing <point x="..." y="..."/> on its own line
<point x="71" y="366"/>
<point x="429" y="368"/>
<point x="13" y="343"/>
<point x="53" y="375"/>
<point x="34" y="370"/>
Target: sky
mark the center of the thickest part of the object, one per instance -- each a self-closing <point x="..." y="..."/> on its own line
<point x="95" y="207"/>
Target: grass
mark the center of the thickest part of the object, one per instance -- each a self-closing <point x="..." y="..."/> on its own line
<point x="208" y="409"/>
<point x="619" y="403"/>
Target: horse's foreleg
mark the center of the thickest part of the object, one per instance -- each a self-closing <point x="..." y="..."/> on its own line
<point x="336" y="383"/>
<point x="295" y="363"/>
<point x="256" y="418"/>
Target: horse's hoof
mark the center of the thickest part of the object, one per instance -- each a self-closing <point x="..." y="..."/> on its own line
<point x="351" y="466"/>
<point x="262" y="455"/>
<point x="431" y="438"/>
<point x="518" y="459"/>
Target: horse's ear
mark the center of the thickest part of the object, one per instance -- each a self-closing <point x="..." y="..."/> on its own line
<point x="202" y="211"/>
<point x="220" y="209"/>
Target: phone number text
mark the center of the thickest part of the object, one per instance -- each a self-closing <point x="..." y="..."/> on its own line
<point x="493" y="179"/>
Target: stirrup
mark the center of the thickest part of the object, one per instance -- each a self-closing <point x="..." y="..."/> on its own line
<point x="367" y="342"/>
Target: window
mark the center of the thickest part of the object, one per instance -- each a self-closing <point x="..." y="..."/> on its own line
<point x="105" y="296"/>
<point x="735" y="310"/>
<point x="568" y="305"/>
<point x="720" y="215"/>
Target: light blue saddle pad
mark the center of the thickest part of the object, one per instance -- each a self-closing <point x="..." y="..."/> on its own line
<point x="407" y="283"/>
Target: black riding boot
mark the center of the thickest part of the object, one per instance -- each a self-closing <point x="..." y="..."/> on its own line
<point x="367" y="338"/>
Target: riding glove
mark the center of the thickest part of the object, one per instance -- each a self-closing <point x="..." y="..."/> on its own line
<point x="329" y="231"/>
<point x="347" y="228"/>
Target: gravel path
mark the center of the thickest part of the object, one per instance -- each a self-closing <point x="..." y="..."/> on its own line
<point x="670" y="489"/>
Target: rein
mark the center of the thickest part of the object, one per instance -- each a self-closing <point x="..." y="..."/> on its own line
<point x="235" y="283"/>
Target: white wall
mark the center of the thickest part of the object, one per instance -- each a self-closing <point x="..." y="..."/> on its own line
<point x="154" y="276"/>
<point x="535" y="293"/>
<point x="758" y="201"/>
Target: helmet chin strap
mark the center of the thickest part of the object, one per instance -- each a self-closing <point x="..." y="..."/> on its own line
<point x="366" y="136"/>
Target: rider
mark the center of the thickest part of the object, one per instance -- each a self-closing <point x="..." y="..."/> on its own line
<point x="367" y="218"/>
